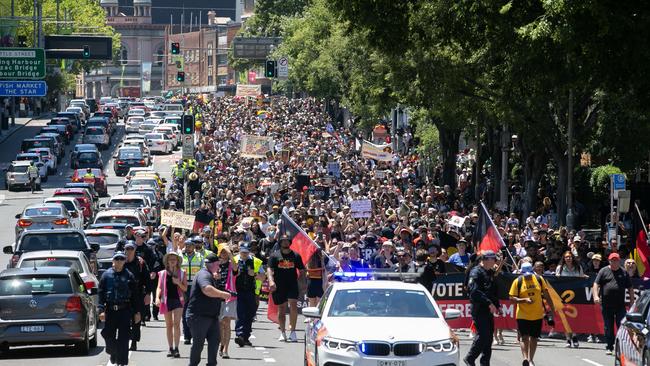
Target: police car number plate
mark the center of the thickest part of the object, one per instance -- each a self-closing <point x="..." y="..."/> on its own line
<point x="391" y="363"/>
<point x="32" y="328"/>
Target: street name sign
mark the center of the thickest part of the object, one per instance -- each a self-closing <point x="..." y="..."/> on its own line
<point x="22" y="63"/>
<point x="36" y="88"/>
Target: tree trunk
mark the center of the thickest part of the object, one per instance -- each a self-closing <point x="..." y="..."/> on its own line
<point x="449" y="149"/>
<point x="560" y="198"/>
<point x="494" y="151"/>
<point x="533" y="169"/>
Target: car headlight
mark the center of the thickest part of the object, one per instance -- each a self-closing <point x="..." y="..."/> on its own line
<point x="339" y="344"/>
<point x="446" y="345"/>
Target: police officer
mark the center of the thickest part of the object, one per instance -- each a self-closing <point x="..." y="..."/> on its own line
<point x="192" y="263"/>
<point x="140" y="272"/>
<point x="245" y="286"/>
<point x="129" y="234"/>
<point x="117" y="307"/>
<point x="32" y="173"/>
<point x="89" y="174"/>
<point x="146" y="253"/>
<point x="485" y="304"/>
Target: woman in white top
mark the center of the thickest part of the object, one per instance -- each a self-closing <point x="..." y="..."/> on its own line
<point x="569" y="267"/>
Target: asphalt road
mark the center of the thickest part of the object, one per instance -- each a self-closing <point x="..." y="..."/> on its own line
<point x="266" y="350"/>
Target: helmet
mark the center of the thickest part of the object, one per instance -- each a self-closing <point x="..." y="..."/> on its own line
<point x="88" y="170"/>
<point x="31" y="163"/>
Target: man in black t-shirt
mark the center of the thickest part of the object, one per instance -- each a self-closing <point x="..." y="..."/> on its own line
<point x="283" y="284"/>
<point x="609" y="291"/>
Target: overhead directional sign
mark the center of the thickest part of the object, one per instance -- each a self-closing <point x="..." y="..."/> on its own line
<point x="283" y="68"/>
<point x="22" y="63"/>
<point x="36" y="88"/>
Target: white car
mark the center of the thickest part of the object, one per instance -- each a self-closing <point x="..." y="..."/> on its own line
<point x="133" y="124"/>
<point x="159" y="142"/>
<point x="72" y="205"/>
<point x="36" y="158"/>
<point x="16" y="176"/>
<point x="171" y="131"/>
<point x="146" y="128"/>
<point x="138" y="202"/>
<point x="98" y="136"/>
<point x="136" y="112"/>
<point x="379" y="323"/>
<point x="47" y="157"/>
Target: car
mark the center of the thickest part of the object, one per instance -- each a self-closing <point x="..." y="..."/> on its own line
<point x="144" y="182"/>
<point x="107" y="240"/>
<point x="146" y="128"/>
<point x="121" y="216"/>
<point x="88" y="159"/>
<point x="74" y="118"/>
<point x="92" y="104"/>
<point x="171" y="131"/>
<point x="136" y="112"/>
<point x="152" y="195"/>
<point x="109" y="115"/>
<point x="63" y="258"/>
<point x="40" y="216"/>
<point x="173" y="120"/>
<point x="36" y="158"/>
<point x="59" y="146"/>
<point x="101" y="121"/>
<point x="47" y="157"/>
<point x="158" y="114"/>
<point x="90" y="187"/>
<point x="139" y="202"/>
<point x="74" y="209"/>
<point x="133" y="124"/>
<point x="379" y="322"/>
<point x="173" y="109"/>
<point x="632" y="344"/>
<point x="159" y="142"/>
<point x="47" y="306"/>
<point x="82" y="196"/>
<point x="99" y="182"/>
<point x="27" y="144"/>
<point x="140" y="143"/>
<point x="60" y="129"/>
<point x="98" y="136"/>
<point x="51" y="239"/>
<point x="126" y="158"/>
<point x="79" y="110"/>
<point x="68" y="127"/>
<point x="16" y="176"/>
<point x="80" y="147"/>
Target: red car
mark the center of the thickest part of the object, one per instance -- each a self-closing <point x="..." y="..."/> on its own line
<point x="83" y="198"/>
<point x="100" y="180"/>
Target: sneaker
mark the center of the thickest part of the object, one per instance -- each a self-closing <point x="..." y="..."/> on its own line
<point x="282" y="337"/>
<point x="568" y="344"/>
<point x="590" y="339"/>
<point x="576" y="344"/>
<point x="293" y="337"/>
<point x="609" y="352"/>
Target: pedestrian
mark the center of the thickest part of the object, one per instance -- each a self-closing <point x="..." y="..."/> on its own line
<point x="485" y="304"/>
<point x="203" y="311"/>
<point x="283" y="284"/>
<point x="569" y="267"/>
<point x="140" y="272"/>
<point x="32" y="173"/>
<point x="228" y="313"/>
<point x="245" y="286"/>
<point x="117" y="306"/>
<point x="192" y="263"/>
<point x="527" y="291"/>
<point x="172" y="285"/>
<point x="609" y="291"/>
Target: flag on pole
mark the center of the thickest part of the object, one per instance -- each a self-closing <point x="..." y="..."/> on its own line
<point x="642" y="251"/>
<point x="486" y="236"/>
<point x="301" y="243"/>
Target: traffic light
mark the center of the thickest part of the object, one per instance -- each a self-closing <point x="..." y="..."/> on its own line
<point x="270" y="68"/>
<point x="188" y="124"/>
<point x="176" y="48"/>
<point x="86" y="53"/>
<point x="180" y="76"/>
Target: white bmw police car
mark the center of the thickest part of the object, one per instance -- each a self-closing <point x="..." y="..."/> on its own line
<point x="379" y="323"/>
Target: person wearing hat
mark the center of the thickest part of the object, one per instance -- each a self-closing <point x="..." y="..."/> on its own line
<point x="460" y="258"/>
<point x="245" y="285"/>
<point x="385" y="258"/>
<point x="140" y="272"/>
<point x="170" y="298"/>
<point x="203" y="310"/>
<point x="191" y="263"/>
<point x="609" y="291"/>
<point x="485" y="304"/>
<point x="145" y="252"/>
<point x="527" y="291"/>
<point x="118" y="306"/>
<point x="283" y="285"/>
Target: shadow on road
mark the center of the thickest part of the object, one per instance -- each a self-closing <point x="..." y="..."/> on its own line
<point x="47" y="352"/>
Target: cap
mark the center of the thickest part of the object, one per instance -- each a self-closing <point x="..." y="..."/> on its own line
<point x="206" y="229"/>
<point x="597" y="257"/>
<point x="526" y="268"/>
<point x="197" y="239"/>
<point x="211" y="258"/>
<point x="119" y="255"/>
<point x="244" y="248"/>
<point x="284" y="237"/>
<point x="577" y="238"/>
<point x="129" y="226"/>
<point x="129" y="244"/>
<point x="189" y="242"/>
<point x="488" y="254"/>
<point x="614" y="256"/>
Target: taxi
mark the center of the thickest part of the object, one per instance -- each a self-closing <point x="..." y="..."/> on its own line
<point x="379" y="323"/>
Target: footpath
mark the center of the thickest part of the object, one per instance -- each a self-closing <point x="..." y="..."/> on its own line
<point x="20" y="123"/>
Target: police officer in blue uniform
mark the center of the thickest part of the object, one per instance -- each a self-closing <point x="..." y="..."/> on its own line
<point x="138" y="268"/>
<point x="118" y="306"/>
<point x="485" y="304"/>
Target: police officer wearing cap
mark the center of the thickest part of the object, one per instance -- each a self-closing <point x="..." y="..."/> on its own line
<point x="140" y="272"/>
<point x="192" y="263"/>
<point x="485" y="304"/>
<point x="118" y="306"/>
<point x="146" y="253"/>
<point x="245" y="286"/>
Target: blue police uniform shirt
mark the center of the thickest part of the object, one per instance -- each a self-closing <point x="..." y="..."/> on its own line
<point x="116" y="287"/>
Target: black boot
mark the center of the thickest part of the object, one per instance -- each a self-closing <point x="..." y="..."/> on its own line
<point x="134" y="346"/>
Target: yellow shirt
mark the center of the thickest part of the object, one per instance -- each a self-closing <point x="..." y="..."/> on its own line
<point x="529" y="288"/>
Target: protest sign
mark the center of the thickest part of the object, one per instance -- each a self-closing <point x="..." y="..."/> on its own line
<point x="176" y="219"/>
<point x="320" y="192"/>
<point x="457" y="221"/>
<point x="361" y="208"/>
<point x="244" y="90"/>
<point x="253" y="146"/>
<point x="376" y="152"/>
<point x="334" y="169"/>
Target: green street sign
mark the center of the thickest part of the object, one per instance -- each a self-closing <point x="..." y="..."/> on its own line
<point x="22" y="63"/>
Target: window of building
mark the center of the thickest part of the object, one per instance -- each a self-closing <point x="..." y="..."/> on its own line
<point x="210" y="80"/>
<point x="160" y="56"/>
<point x="223" y="80"/>
<point x="210" y="54"/>
<point x="222" y="60"/>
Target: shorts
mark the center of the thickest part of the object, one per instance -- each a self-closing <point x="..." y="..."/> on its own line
<point x="532" y="328"/>
<point x="228" y="310"/>
<point x="173" y="304"/>
<point x="315" y="287"/>
<point x="283" y="293"/>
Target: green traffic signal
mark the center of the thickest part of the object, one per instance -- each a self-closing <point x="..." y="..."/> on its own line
<point x="86" y="51"/>
<point x="180" y="76"/>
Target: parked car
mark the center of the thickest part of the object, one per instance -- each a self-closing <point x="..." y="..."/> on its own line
<point x="41" y="216"/>
<point x="74" y="209"/>
<point x="99" y="182"/>
<point x="107" y="240"/>
<point x="128" y="157"/>
<point x="16" y="176"/>
<point x="47" y="306"/>
<point x="36" y="158"/>
<point x="159" y="142"/>
<point x="47" y="157"/>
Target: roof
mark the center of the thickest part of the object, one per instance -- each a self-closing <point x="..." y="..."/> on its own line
<point x="44" y="204"/>
<point x="119" y="212"/>
<point x="50" y="253"/>
<point x="70" y="190"/>
<point x="21" y="162"/>
<point x="39" y="270"/>
<point x="378" y="284"/>
<point x="127" y="196"/>
<point x="102" y="231"/>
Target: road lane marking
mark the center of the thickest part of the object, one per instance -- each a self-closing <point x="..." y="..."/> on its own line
<point x="272" y="360"/>
<point x="260" y="348"/>
<point x="592" y="362"/>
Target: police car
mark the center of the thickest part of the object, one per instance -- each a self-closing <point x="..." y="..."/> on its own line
<point x="379" y="323"/>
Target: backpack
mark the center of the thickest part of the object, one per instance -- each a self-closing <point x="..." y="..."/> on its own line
<point x="540" y="280"/>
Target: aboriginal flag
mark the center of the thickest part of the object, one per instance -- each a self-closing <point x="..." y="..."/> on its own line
<point x="486" y="236"/>
<point x="642" y="251"/>
<point x="301" y="243"/>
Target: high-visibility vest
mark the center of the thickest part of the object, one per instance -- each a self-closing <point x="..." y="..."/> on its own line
<point x="257" y="264"/>
<point x="192" y="265"/>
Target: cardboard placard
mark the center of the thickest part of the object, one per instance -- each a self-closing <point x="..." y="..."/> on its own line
<point x="361" y="208"/>
<point x="176" y="219"/>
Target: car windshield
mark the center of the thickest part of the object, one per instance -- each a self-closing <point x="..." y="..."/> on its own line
<point x="153" y="136"/>
<point x="27" y="285"/>
<point x="150" y="194"/>
<point x="73" y="263"/>
<point x="43" y="211"/>
<point x="87" y="156"/>
<point x="102" y="239"/>
<point x="31" y="242"/>
<point x="130" y="154"/>
<point x="382" y="303"/>
<point x="18" y="169"/>
<point x="116" y="219"/>
<point x="27" y="158"/>
<point x="68" y="205"/>
<point x="94" y="131"/>
<point x="142" y="183"/>
<point x="126" y="202"/>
